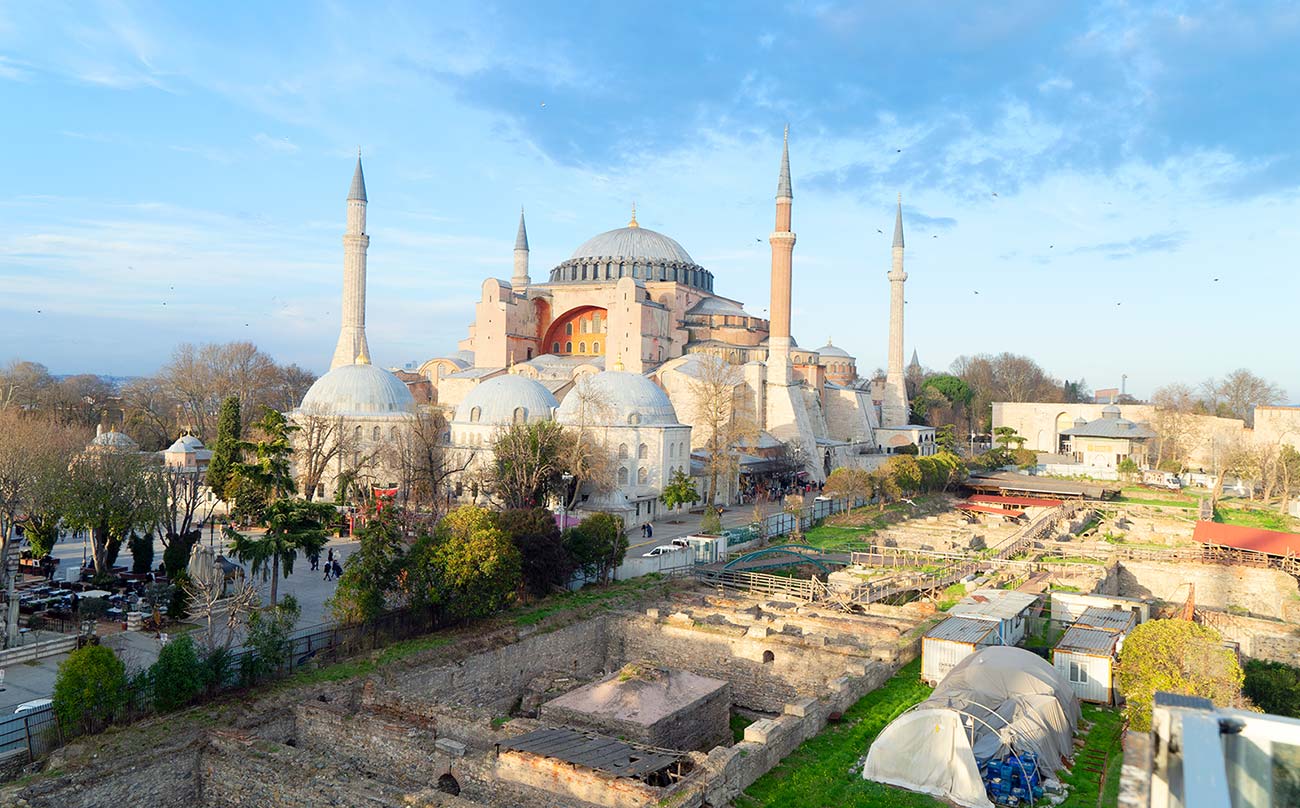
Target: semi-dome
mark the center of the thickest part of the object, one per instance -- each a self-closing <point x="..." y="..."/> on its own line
<point x="358" y="391"/>
<point x="505" y="400"/>
<point x="633" y="242"/>
<point x="616" y="398"/>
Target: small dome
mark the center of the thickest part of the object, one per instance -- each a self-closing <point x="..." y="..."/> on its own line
<point x="625" y="399"/>
<point x="358" y="391"/>
<point x="184" y="444"/>
<point x="633" y="242"/>
<point x="1080" y="421"/>
<point x="1110" y="411"/>
<point x="498" y="398"/>
<point x="113" y="439"/>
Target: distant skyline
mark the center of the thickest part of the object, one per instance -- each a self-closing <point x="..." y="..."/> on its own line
<point x="1119" y="182"/>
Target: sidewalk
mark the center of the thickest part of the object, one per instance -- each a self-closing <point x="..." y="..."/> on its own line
<point x="674" y="526"/>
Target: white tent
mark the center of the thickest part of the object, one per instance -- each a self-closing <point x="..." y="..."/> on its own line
<point x="995" y="701"/>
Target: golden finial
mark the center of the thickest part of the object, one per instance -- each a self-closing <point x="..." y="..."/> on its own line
<point x="633" y="222"/>
<point x="362" y="357"/>
<point x="618" y="365"/>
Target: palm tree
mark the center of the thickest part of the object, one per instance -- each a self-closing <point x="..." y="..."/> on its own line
<point x="292" y="525"/>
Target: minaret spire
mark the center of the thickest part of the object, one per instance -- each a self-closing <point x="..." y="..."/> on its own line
<point x="783" y="190"/>
<point x="782" y="240"/>
<point x="519" y="279"/>
<point x="352" y="348"/>
<point x="894" y="410"/>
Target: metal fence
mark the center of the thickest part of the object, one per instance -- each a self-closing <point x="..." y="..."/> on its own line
<point x="29" y="735"/>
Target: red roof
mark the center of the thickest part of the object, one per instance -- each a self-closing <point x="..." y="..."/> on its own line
<point x="1247" y="538"/>
<point x="1024" y="502"/>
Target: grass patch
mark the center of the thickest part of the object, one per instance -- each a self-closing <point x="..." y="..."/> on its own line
<point x="587" y="596"/>
<point x="1251" y="517"/>
<point x="738" y="724"/>
<point x="835" y="537"/>
<point x="1159" y="503"/>
<point x="950" y="597"/>
<point x="351" y="668"/>
<point x="1071" y="560"/>
<point x="1102" y="737"/>
<point x="823" y="771"/>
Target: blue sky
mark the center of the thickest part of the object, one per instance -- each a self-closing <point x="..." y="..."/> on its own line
<point x="177" y="172"/>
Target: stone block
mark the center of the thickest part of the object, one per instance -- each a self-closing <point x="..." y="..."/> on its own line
<point x="801" y="708"/>
<point x="449" y="747"/>
<point x="758" y="632"/>
<point x="759" y="731"/>
<point x="653" y="614"/>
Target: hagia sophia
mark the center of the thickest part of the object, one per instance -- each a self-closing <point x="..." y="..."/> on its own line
<point x="628" y="322"/>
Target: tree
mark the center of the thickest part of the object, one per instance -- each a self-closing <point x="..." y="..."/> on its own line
<point x="724" y="414"/>
<point x="679" y="491"/>
<point x="545" y="562"/>
<point x="850" y="484"/>
<point x="1006" y="438"/>
<point x="585" y="454"/>
<point x="269" y="470"/>
<point x="225" y="449"/>
<point x="200" y="376"/>
<point x="210" y="600"/>
<point x="1128" y="468"/>
<point x="141" y="548"/>
<point x="292" y="526"/>
<point x="1273" y="687"/>
<point x="373" y="577"/>
<point x="1239" y="393"/>
<point x="1005" y="377"/>
<point x="1175" y="656"/>
<point x="597" y="545"/>
<point x="269" y="639"/>
<point x="527" y="461"/>
<point x="905" y="471"/>
<point x="177" y="676"/>
<point x="111" y="492"/>
<point x="478" y="567"/>
<point x="945" y="438"/>
<point x="1175" y="422"/>
<point x="90" y="688"/>
<point x="426" y="463"/>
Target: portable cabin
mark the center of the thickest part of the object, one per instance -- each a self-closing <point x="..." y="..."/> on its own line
<point x="1119" y="621"/>
<point x="1067" y="607"/>
<point x="1005" y="607"/>
<point x="950" y="642"/>
<point x="1085" y="657"/>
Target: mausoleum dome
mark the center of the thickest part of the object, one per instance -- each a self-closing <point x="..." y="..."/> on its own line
<point x="617" y="398"/>
<point x="358" y="391"/>
<point x="505" y="400"/>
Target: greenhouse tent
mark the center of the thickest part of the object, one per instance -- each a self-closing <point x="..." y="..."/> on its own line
<point x="995" y="701"/>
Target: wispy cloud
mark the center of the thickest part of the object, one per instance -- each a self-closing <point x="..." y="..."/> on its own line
<point x="1138" y="245"/>
<point x="276" y="144"/>
<point x="11" y="70"/>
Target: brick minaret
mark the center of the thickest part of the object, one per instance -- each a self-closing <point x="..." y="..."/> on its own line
<point x="519" y="280"/>
<point x="894" y="409"/>
<point x="782" y="239"/>
<point x="352" y="336"/>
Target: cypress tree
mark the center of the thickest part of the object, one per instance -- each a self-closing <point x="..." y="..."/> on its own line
<point x="225" y="449"/>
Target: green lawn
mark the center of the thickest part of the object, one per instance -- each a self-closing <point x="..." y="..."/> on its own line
<point x="738" y="724"/>
<point x="1251" y="517"/>
<point x="823" y="771"/>
<point x="1163" y="503"/>
<point x="1102" y="737"/>
<point x="834" y="537"/>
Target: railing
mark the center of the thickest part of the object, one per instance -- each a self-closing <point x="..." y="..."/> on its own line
<point x="29" y="735"/>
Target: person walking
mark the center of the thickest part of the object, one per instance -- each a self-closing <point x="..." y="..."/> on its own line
<point x="338" y="569"/>
<point x="649" y="530"/>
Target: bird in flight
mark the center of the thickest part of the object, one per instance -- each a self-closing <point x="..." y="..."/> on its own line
<point x="995" y="193"/>
<point x="881" y="232"/>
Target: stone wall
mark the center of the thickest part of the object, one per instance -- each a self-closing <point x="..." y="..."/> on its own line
<point x="1257" y="639"/>
<point x="160" y="777"/>
<point x="698" y="723"/>
<point x="1262" y="592"/>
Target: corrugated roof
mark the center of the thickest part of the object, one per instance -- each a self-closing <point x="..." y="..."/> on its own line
<point x="961" y="629"/>
<point x="1247" y="538"/>
<point x="591" y="750"/>
<point x="994" y="604"/>
<point x="1027" y="502"/>
<point x="1088" y="641"/>
<point x="1108" y="619"/>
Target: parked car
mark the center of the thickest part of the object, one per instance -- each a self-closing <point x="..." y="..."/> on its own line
<point x="28" y="706"/>
<point x="679" y="542"/>
<point x="663" y="549"/>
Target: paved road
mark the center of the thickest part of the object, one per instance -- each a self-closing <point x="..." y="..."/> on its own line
<point x="686" y="524"/>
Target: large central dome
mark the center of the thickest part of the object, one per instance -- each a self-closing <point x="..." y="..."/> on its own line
<point x="633" y="242"/>
<point x="632" y="252"/>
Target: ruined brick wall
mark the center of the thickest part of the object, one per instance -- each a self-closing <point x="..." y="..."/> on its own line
<point x="159" y="777"/>
<point x="1262" y="592"/>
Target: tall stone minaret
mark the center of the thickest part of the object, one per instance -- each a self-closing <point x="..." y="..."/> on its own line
<point x="894" y="410"/>
<point x="352" y="347"/>
<point x="782" y="239"/>
<point x="519" y="280"/>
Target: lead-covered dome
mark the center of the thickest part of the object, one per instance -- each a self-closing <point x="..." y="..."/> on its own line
<point x="113" y="440"/>
<point x="506" y="399"/>
<point x="616" y="398"/>
<point x="633" y="252"/>
<point x="358" y="391"/>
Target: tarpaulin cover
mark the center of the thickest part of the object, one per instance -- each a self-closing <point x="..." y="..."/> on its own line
<point x="995" y="701"/>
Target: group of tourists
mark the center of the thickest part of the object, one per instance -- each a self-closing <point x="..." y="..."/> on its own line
<point x="333" y="565"/>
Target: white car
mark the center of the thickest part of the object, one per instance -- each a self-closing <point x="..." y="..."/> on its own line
<point x="28" y="706"/>
<point x="663" y="549"/>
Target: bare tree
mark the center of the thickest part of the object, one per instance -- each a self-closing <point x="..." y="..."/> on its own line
<point x="199" y="377"/>
<point x="149" y="412"/>
<point x="1238" y="393"/>
<point x="587" y="454"/>
<point x="219" y="611"/>
<point x="187" y="503"/>
<point x="22" y="384"/>
<point x="427" y="463"/>
<point x="319" y="441"/>
<point x="527" y="461"/>
<point x="725" y="413"/>
<point x="1175" y="422"/>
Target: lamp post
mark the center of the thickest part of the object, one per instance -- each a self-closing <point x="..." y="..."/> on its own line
<point x="564" y="501"/>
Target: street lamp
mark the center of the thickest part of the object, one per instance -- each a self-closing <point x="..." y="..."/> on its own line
<point x="564" y="501"/>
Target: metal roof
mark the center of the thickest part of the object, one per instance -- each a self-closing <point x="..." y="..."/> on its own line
<point x="961" y="629"/>
<point x="591" y="750"/>
<point x="994" y="604"/>
<point x="1247" y="538"/>
<point x="1111" y="427"/>
<point x="1092" y="641"/>
<point x="1108" y="619"/>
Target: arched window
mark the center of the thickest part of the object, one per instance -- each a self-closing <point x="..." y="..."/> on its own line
<point x="530" y="353"/>
<point x="374" y="433"/>
<point x="555" y="347"/>
<point x="568" y="346"/>
<point x="622" y="476"/>
<point x="642" y="452"/>
<point x="622" y="451"/>
<point x="568" y="329"/>
<point x="672" y="450"/>
<point x="768" y="656"/>
<point x="448" y="785"/>
<point x="582" y="347"/>
<point x="634" y="418"/>
<point x="356" y="433"/>
<point x="521" y="415"/>
<point x="474" y="414"/>
<point x="642" y="475"/>
<point x="595" y="347"/>
<point x="392" y="433"/>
